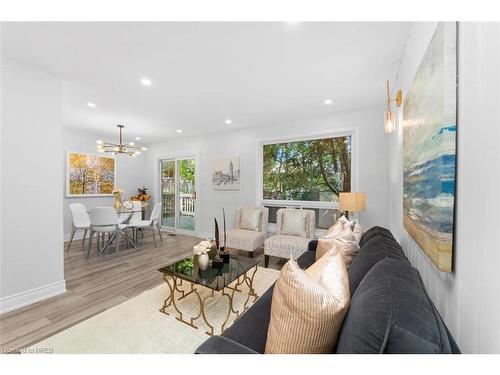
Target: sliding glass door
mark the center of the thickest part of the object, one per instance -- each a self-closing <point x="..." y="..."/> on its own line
<point x="178" y="194"/>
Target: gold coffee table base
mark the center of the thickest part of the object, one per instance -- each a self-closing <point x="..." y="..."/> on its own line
<point x="176" y="282"/>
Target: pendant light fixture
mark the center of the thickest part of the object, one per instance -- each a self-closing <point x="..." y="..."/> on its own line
<point x="130" y="149"/>
<point x="389" y="124"/>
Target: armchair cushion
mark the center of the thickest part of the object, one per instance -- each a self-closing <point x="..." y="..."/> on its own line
<point x="283" y="246"/>
<point x="243" y="239"/>
<point x="250" y="218"/>
<point x="294" y="223"/>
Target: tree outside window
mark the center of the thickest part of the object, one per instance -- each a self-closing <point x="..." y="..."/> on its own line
<point x="307" y="170"/>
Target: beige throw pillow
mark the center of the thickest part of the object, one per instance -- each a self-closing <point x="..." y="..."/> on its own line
<point x="335" y="229"/>
<point x="343" y="243"/>
<point x="308" y="307"/>
<point x="250" y="218"/>
<point x="294" y="223"/>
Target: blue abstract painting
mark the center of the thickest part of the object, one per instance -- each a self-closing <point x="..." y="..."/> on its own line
<point x="429" y="148"/>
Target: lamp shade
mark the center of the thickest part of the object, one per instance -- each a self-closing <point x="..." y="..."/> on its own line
<point x="352" y="202"/>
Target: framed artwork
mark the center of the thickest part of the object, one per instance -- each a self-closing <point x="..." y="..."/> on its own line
<point x="429" y="149"/>
<point x="89" y="175"/>
<point x="226" y="174"/>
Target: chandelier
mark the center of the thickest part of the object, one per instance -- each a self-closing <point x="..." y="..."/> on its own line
<point x="130" y="149"/>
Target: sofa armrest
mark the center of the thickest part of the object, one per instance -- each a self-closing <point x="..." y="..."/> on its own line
<point x="223" y="345"/>
<point x="312" y="245"/>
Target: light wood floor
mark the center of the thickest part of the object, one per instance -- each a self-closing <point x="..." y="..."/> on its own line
<point x="95" y="285"/>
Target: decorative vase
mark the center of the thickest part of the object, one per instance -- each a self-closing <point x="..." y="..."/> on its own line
<point x="203" y="261"/>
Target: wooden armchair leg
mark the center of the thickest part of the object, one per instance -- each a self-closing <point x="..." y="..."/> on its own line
<point x="266" y="260"/>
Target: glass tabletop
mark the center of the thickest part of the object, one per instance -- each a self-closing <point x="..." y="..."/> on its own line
<point x="213" y="278"/>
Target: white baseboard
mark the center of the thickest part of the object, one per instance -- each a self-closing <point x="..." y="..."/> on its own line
<point x="18" y="300"/>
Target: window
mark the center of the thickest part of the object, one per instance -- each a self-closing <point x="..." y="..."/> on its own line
<point x="307" y="173"/>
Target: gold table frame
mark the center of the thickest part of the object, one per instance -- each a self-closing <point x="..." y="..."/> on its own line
<point x="177" y="282"/>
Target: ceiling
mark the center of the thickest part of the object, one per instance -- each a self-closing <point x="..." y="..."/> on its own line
<point x="254" y="73"/>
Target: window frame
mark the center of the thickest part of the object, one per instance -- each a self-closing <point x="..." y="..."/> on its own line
<point x="260" y="201"/>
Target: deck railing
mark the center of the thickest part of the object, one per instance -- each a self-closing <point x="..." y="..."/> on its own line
<point x="187" y="204"/>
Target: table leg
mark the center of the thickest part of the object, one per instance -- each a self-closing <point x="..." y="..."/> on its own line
<point x="251" y="291"/>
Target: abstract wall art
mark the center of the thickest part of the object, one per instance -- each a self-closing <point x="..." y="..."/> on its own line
<point x="429" y="149"/>
<point x="89" y="175"/>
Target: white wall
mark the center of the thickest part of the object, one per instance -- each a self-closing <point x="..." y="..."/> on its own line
<point x="31" y="242"/>
<point x="131" y="173"/>
<point x="244" y="143"/>
<point x="467" y="298"/>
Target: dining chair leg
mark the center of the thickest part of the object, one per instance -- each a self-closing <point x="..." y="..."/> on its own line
<point x="118" y="236"/>
<point x="159" y="231"/>
<point x="84" y="234"/>
<point x="154" y="237"/>
<point x="71" y="238"/>
<point x="90" y="242"/>
<point x="107" y="243"/>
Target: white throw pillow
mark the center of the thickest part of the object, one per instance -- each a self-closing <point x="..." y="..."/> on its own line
<point x="357" y="230"/>
<point x="294" y="223"/>
<point x="250" y="218"/>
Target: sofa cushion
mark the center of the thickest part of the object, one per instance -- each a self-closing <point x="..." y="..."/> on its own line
<point x="390" y="312"/>
<point x="307" y="259"/>
<point x="375" y="232"/>
<point x="250" y="329"/>
<point x="372" y="251"/>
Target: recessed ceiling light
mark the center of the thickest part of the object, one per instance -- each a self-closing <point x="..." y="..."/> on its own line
<point x="228" y="121"/>
<point x="137" y="138"/>
<point x="146" y="82"/>
<point x="179" y="131"/>
<point x="328" y="101"/>
<point x="99" y="142"/>
<point x="91" y="105"/>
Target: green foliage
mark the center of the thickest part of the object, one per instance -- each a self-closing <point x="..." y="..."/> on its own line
<point x="186" y="169"/>
<point x="313" y="170"/>
<point x="185" y="266"/>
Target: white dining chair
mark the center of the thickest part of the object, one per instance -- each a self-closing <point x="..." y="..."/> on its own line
<point x="153" y="222"/>
<point x="105" y="220"/>
<point x="79" y="221"/>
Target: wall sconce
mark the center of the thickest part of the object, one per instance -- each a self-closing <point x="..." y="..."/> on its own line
<point x="389" y="124"/>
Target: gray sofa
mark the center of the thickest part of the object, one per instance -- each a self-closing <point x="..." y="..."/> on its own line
<point x="390" y="311"/>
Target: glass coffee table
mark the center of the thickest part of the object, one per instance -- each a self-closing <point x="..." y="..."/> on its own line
<point x="224" y="280"/>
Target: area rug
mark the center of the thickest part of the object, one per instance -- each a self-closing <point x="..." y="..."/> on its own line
<point x="137" y="326"/>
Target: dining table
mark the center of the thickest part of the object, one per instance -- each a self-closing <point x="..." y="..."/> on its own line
<point x="122" y="211"/>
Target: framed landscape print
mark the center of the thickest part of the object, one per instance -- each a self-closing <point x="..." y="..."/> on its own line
<point x="89" y="175"/>
<point x="226" y="174"/>
<point x="429" y="149"/>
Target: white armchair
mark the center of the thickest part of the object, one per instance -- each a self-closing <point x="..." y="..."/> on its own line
<point x="250" y="229"/>
<point x="295" y="229"/>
